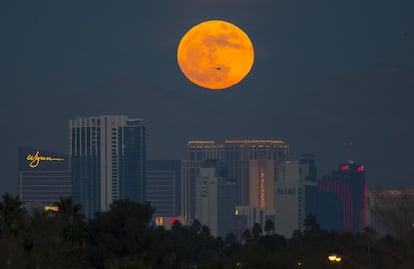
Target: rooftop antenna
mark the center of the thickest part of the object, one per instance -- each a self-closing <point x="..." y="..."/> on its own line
<point x="350" y="153"/>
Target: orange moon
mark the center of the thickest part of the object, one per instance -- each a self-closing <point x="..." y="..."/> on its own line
<point x="215" y="54"/>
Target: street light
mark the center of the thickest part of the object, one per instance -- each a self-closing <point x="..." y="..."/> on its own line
<point x="335" y="258"/>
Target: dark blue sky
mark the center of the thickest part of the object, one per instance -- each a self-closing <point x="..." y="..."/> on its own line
<point x="326" y="73"/>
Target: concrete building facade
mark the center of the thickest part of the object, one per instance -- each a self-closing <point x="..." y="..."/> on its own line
<point x="296" y="194"/>
<point x="215" y="198"/>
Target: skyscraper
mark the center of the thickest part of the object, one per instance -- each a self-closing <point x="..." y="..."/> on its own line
<point x="252" y="163"/>
<point x="108" y="155"/>
<point x="197" y="153"/>
<point x="296" y="194"/>
<point x="44" y="177"/>
<point x="390" y="211"/>
<point x="215" y="198"/>
<point x="342" y="199"/>
<point x="163" y="187"/>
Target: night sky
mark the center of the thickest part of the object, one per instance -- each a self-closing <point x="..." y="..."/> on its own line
<point x="334" y="78"/>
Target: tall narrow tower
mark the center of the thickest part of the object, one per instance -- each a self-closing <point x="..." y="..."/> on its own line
<point x="342" y="197"/>
<point x="108" y="157"/>
<point x="215" y="198"/>
<point x="197" y="153"/>
<point x="296" y="194"/>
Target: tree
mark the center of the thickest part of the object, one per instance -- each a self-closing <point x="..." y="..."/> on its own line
<point x="312" y="228"/>
<point x="256" y="231"/>
<point x="13" y="231"/>
<point x="195" y="226"/>
<point x="12" y="215"/>
<point x="176" y="226"/>
<point x="68" y="211"/>
<point x="72" y="221"/>
<point x="231" y="245"/>
<point x="123" y="231"/>
<point x="247" y="235"/>
<point x="230" y="239"/>
<point x="205" y="232"/>
<point x="269" y="226"/>
<point x="49" y="244"/>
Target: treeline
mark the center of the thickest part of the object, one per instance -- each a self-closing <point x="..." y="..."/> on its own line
<point x="126" y="238"/>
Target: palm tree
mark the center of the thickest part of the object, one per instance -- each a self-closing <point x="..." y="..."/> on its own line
<point x="68" y="211"/>
<point x="247" y="235"/>
<point x="269" y="226"/>
<point x="12" y="215"/>
<point x="12" y="230"/>
<point x="312" y="228"/>
<point x="256" y="231"/>
<point x="72" y="221"/>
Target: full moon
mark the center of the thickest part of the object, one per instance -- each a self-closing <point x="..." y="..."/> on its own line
<point x="215" y="54"/>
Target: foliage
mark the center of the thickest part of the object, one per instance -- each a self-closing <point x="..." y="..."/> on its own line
<point x="12" y="216"/>
<point x="124" y="238"/>
<point x="269" y="226"/>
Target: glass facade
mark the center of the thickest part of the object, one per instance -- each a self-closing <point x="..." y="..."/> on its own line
<point x="163" y="184"/>
<point x="343" y="196"/>
<point x="108" y="156"/>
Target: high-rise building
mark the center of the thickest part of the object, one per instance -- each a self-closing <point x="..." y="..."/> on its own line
<point x="197" y="153"/>
<point x="296" y="194"/>
<point x="215" y="198"/>
<point x="262" y="184"/>
<point x="252" y="163"/>
<point x="163" y="187"/>
<point x="342" y="199"/>
<point x="108" y="156"/>
<point x="390" y="211"/>
<point x="255" y="164"/>
<point x="44" y="177"/>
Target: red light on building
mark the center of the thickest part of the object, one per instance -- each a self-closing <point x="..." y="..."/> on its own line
<point x="158" y="221"/>
<point x="171" y="221"/>
<point x="344" y="167"/>
<point x="360" y="168"/>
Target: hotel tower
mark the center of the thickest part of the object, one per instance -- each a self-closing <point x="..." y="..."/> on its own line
<point x="253" y="164"/>
<point x="108" y="157"/>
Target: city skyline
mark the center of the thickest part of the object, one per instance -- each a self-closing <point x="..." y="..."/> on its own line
<point x="45" y="178"/>
<point x="101" y="157"/>
<point x="329" y="78"/>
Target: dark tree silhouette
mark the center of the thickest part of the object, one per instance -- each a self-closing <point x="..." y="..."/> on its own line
<point x="12" y="215"/>
<point x="256" y="231"/>
<point x="247" y="235"/>
<point x="269" y="226"/>
<point x="72" y="221"/>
